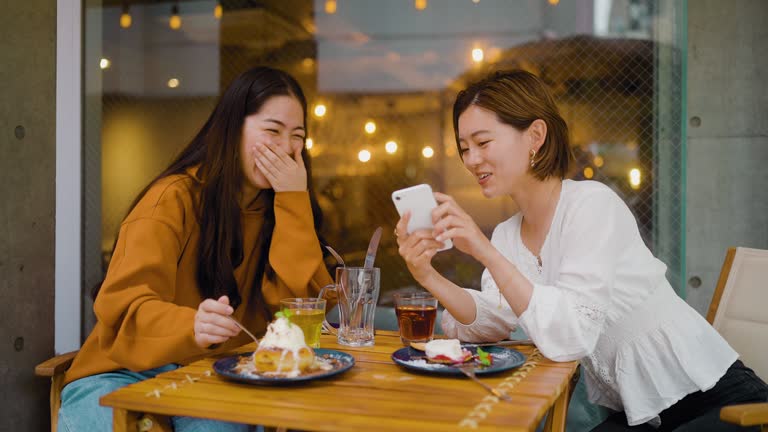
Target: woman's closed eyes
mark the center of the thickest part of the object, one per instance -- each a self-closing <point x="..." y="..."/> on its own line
<point x="276" y="132"/>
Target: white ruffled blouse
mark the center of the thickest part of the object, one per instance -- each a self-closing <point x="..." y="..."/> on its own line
<point x="600" y="296"/>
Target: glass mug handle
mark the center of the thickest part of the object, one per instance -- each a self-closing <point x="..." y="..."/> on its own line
<point x="326" y="325"/>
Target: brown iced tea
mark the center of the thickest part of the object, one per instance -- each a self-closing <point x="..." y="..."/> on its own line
<point x="417" y="322"/>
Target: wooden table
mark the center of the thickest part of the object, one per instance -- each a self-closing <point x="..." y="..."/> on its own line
<point x="375" y="395"/>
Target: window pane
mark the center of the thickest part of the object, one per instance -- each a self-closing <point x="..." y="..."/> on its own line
<point x="615" y="68"/>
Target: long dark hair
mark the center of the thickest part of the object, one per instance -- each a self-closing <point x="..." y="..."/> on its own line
<point x="216" y="149"/>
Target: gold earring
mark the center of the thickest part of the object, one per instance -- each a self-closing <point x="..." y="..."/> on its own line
<point x="533" y="155"/>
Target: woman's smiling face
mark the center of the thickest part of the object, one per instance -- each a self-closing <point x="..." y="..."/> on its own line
<point x="279" y="124"/>
<point x="495" y="153"/>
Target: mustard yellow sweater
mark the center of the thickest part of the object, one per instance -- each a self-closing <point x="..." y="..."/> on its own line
<point x="146" y="307"/>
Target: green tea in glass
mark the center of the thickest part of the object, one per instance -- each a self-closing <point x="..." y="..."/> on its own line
<point x="308" y="314"/>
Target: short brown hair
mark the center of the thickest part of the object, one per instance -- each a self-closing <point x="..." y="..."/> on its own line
<point x="519" y="98"/>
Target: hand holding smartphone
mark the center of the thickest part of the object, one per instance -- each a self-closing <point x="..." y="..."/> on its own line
<point x="420" y="201"/>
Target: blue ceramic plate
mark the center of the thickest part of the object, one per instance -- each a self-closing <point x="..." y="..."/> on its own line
<point x="339" y="362"/>
<point x="416" y="360"/>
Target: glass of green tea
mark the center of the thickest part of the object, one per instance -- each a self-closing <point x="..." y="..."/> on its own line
<point x="308" y="314"/>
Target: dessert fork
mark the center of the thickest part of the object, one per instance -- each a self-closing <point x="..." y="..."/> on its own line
<point x="242" y="327"/>
<point x="468" y="369"/>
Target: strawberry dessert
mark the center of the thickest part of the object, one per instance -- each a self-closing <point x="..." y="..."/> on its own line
<point x="448" y="351"/>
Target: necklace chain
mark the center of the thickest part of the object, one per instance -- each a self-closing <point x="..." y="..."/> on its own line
<point x="549" y="201"/>
<point x="539" y="263"/>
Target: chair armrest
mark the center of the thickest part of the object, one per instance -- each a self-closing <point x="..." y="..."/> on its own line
<point x="56" y="365"/>
<point x="745" y="415"/>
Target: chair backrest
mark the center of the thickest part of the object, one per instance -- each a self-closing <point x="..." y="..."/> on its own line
<point x="739" y="309"/>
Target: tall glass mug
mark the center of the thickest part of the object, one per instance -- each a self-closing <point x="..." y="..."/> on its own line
<point x="416" y="315"/>
<point x="357" y="291"/>
<point x="308" y="314"/>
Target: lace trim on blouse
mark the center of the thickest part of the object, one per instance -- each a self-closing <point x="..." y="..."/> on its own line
<point x="595" y="313"/>
<point x="599" y="371"/>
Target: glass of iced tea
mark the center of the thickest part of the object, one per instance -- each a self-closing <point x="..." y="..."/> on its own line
<point x="308" y="314"/>
<point x="416" y="314"/>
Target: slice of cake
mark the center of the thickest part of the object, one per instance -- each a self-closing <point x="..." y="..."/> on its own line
<point x="447" y="351"/>
<point x="282" y="350"/>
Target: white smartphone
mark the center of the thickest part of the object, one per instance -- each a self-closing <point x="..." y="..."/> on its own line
<point x="420" y="201"/>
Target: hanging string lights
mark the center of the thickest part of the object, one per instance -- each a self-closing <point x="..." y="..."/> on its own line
<point x="477" y="55"/>
<point x="125" y="17"/>
<point x="330" y="7"/>
<point x="174" y="22"/>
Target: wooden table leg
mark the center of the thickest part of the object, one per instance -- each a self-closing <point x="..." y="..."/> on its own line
<point x="556" y="415"/>
<point x="124" y="420"/>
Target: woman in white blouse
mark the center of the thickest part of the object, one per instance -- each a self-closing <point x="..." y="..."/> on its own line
<point x="571" y="268"/>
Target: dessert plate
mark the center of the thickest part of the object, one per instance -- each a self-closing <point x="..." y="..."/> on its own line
<point x="416" y="360"/>
<point x="327" y="364"/>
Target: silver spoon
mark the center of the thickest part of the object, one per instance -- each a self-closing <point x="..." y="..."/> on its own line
<point x="336" y="255"/>
<point x="341" y="262"/>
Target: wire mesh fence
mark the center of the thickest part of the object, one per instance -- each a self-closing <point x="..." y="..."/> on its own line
<point x="380" y="78"/>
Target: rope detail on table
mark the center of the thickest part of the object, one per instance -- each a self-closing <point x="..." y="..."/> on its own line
<point x="174" y="385"/>
<point x="481" y="410"/>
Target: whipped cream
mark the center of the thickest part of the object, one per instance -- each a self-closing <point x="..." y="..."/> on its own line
<point x="283" y="334"/>
<point x="449" y="348"/>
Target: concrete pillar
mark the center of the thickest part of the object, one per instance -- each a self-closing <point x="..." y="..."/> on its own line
<point x="727" y="167"/>
<point x="27" y="199"/>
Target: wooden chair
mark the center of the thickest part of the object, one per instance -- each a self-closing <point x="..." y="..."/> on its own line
<point x="54" y="369"/>
<point x="738" y="313"/>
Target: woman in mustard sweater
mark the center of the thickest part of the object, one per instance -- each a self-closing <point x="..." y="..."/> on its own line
<point x="228" y="229"/>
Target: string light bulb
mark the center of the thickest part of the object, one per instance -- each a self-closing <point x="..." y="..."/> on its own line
<point x="427" y="152"/>
<point x="477" y="55"/>
<point x="308" y="63"/>
<point x="175" y="21"/>
<point x="599" y="161"/>
<point x="364" y="156"/>
<point x="125" y="17"/>
<point x="370" y="127"/>
<point x="218" y="11"/>
<point x="330" y="7"/>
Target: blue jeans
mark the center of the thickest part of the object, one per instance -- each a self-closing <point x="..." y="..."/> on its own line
<point x="80" y="409"/>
